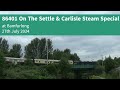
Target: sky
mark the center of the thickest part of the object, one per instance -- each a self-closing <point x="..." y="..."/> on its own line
<point x="88" y="47"/>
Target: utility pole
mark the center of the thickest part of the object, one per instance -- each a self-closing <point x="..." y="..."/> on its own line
<point x="102" y="60"/>
<point x="47" y="49"/>
<point x="38" y="50"/>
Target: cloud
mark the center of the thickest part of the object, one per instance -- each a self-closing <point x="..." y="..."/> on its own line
<point x="87" y="47"/>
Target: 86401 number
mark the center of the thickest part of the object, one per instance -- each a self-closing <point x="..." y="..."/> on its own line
<point x="9" y="18"/>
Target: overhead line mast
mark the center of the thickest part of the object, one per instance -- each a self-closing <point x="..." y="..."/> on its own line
<point x="47" y="49"/>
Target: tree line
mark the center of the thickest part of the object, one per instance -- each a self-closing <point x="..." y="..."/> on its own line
<point x="36" y="49"/>
<point x="109" y="63"/>
<point x="108" y="67"/>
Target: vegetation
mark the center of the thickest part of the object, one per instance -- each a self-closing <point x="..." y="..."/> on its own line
<point x="29" y="70"/>
<point x="65" y="68"/>
<point x="16" y="51"/>
<point x="4" y="46"/>
<point x="109" y="68"/>
<point x="2" y="64"/>
<point x="36" y="49"/>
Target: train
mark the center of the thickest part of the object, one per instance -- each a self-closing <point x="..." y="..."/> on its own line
<point x="36" y="61"/>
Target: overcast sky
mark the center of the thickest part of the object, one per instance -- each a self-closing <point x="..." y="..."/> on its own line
<point x="87" y="47"/>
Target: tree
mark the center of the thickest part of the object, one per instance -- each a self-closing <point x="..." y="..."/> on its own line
<point x="37" y="49"/>
<point x="0" y="43"/>
<point x="4" y="46"/>
<point x="117" y="60"/>
<point x="57" y="54"/>
<point x="43" y="48"/>
<point x="47" y="47"/>
<point x="32" y="50"/>
<point x="109" y="64"/>
<point x="52" y="69"/>
<point x="99" y="69"/>
<point x="68" y="53"/>
<point x="2" y="63"/>
<point x="16" y="51"/>
<point x="64" y="66"/>
<point x="28" y="51"/>
<point x="28" y="62"/>
<point x="74" y="57"/>
<point x="100" y="62"/>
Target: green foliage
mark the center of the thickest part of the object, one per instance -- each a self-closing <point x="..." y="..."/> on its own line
<point x="109" y="64"/>
<point x="117" y="60"/>
<point x="97" y="77"/>
<point x="71" y="75"/>
<point x="57" y="54"/>
<point x="114" y="74"/>
<point x="74" y="57"/>
<point x="99" y="69"/>
<point x="16" y="51"/>
<point x="4" y="46"/>
<point x="65" y="67"/>
<point x="52" y="69"/>
<point x="37" y="49"/>
<point x="100" y="62"/>
<point x="28" y="62"/>
<point x="68" y="53"/>
<point x="27" y="72"/>
<point x="50" y="49"/>
<point x="2" y="64"/>
<point x="32" y="49"/>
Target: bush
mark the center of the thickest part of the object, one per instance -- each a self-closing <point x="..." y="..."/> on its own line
<point x="28" y="62"/>
<point x="27" y="72"/>
<point x="65" y="68"/>
<point x="99" y="69"/>
<point x="2" y="65"/>
<point x="52" y="69"/>
<point x="70" y="75"/>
